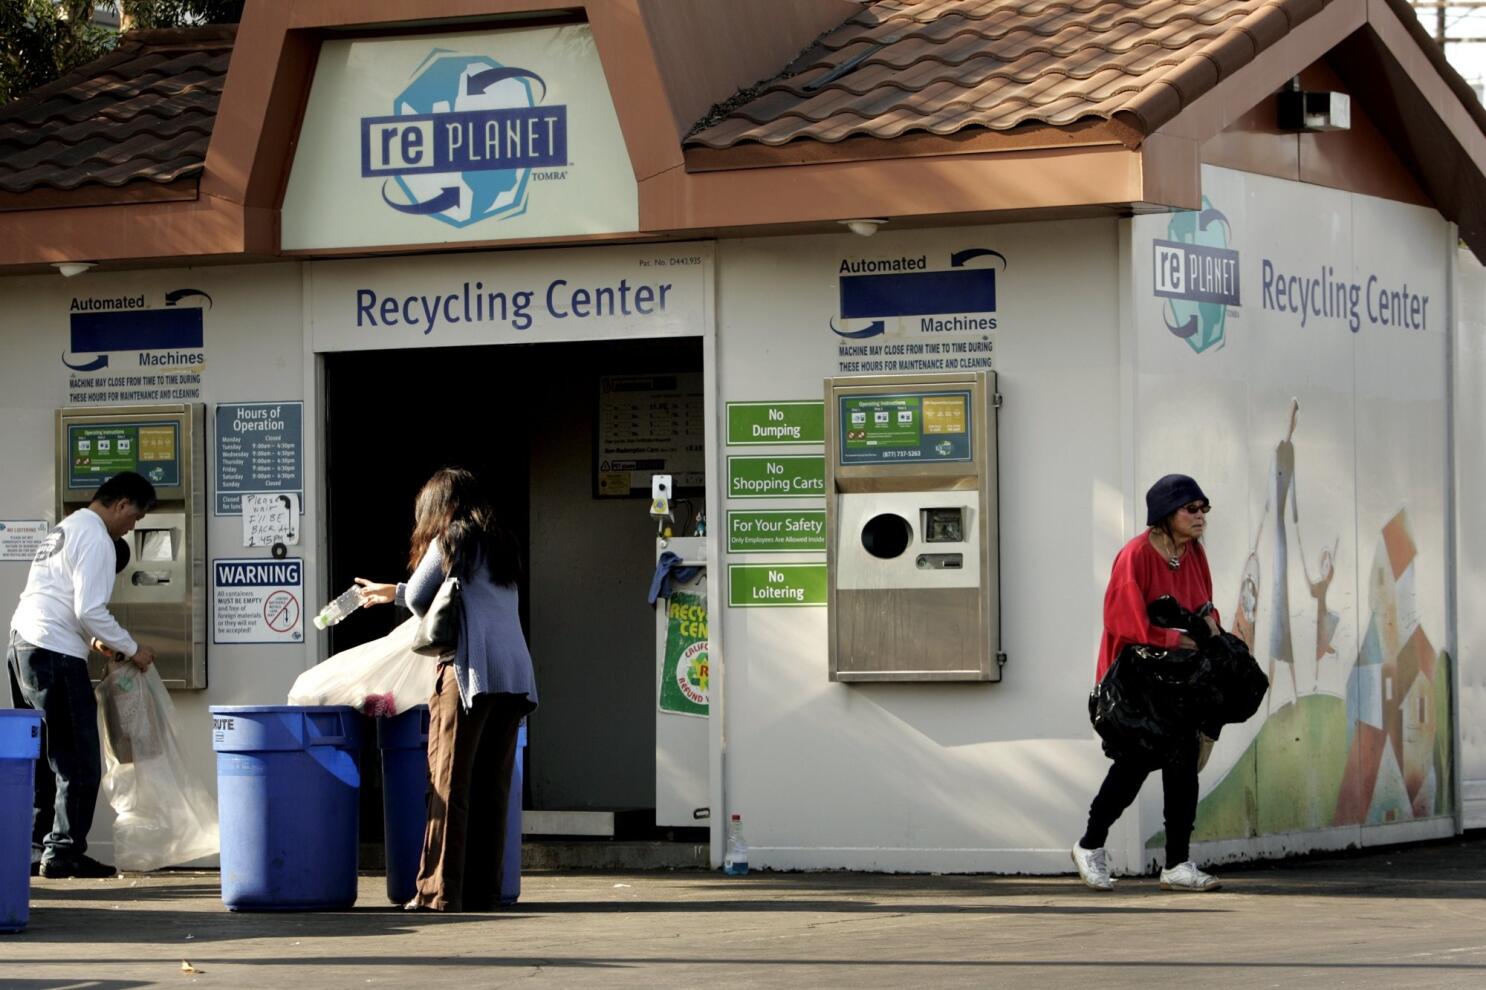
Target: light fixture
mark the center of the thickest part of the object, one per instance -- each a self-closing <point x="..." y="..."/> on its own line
<point x="1314" y="110"/>
<point x="865" y="227"/>
<point x="71" y="268"/>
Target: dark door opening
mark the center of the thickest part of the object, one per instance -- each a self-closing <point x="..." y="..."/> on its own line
<point x="522" y="417"/>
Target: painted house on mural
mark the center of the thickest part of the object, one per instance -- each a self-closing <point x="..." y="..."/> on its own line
<point x="576" y="245"/>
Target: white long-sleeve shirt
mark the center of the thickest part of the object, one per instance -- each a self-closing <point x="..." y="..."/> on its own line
<point x="66" y="597"/>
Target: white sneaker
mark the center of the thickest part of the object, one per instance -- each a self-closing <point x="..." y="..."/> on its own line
<point x="1186" y="876"/>
<point x="1093" y="867"/>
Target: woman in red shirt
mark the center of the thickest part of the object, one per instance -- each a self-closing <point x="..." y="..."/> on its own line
<point x="1166" y="559"/>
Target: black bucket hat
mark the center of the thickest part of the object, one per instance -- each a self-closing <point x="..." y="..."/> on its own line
<point x="1169" y="494"/>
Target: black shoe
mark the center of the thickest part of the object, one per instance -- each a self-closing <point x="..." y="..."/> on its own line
<point x="76" y="867"/>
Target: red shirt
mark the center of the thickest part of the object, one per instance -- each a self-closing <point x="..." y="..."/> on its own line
<point x="1141" y="575"/>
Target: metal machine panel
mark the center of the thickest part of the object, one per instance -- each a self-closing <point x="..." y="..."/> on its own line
<point x="912" y="528"/>
<point x="160" y="595"/>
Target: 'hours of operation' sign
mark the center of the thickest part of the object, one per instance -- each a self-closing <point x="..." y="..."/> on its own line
<point x="255" y="600"/>
<point x="260" y="448"/>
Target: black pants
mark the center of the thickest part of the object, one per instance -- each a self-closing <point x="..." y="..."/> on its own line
<point x="71" y="765"/>
<point x="1123" y="783"/>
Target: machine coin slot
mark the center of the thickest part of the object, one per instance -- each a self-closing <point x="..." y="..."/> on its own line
<point x="941" y="561"/>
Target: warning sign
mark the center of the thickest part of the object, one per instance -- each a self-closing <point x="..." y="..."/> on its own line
<point x="257" y="601"/>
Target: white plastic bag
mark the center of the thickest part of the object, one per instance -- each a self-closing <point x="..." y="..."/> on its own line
<point x="165" y="815"/>
<point x="383" y="677"/>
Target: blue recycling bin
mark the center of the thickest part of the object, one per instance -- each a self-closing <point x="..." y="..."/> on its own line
<point x="403" y="741"/>
<point x="20" y="745"/>
<point x="288" y="792"/>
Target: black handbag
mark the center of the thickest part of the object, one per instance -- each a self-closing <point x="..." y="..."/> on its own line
<point x="438" y="630"/>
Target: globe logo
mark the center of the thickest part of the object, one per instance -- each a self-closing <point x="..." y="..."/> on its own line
<point x="1196" y="272"/>
<point x="463" y="139"/>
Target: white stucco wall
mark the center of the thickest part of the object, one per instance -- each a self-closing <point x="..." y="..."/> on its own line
<point x="254" y="349"/>
<point x="948" y="776"/>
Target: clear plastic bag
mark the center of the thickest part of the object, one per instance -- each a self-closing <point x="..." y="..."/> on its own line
<point x="383" y="677"/>
<point x="165" y="816"/>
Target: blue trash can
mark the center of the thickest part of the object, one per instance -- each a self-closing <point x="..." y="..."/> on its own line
<point x="288" y="792"/>
<point x="20" y="745"/>
<point x="403" y="741"/>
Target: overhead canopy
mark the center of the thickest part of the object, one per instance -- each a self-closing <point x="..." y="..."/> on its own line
<point x="926" y="111"/>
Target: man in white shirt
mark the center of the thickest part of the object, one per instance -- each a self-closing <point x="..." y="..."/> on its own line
<point x="63" y="613"/>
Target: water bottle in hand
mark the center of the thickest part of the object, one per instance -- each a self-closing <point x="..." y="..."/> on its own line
<point x="349" y="601"/>
<point x="735" y="860"/>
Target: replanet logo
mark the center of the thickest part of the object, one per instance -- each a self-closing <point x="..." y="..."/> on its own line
<point x="1197" y="273"/>
<point x="463" y="140"/>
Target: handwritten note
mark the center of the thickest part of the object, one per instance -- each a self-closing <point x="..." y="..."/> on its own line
<point x="270" y="519"/>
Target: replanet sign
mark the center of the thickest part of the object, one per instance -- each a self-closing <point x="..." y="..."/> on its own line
<point x="460" y="137"/>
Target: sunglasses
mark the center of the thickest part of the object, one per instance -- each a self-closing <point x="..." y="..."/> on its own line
<point x="1197" y="507"/>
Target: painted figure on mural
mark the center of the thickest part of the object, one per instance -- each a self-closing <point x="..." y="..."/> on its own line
<point x="1281" y="491"/>
<point x="1327" y="620"/>
<point x="1280" y="497"/>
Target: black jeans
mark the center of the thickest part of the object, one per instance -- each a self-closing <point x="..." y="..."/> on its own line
<point x="1123" y="783"/>
<point x="71" y="764"/>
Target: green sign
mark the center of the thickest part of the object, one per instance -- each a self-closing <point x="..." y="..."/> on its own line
<point x="780" y="530"/>
<point x="776" y="422"/>
<point x="765" y="585"/>
<point x="96" y="453"/>
<point x="686" y="674"/>
<point x="776" y="477"/>
<point x="928" y="426"/>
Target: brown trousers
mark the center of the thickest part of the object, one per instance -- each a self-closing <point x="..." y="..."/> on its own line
<point x="470" y="758"/>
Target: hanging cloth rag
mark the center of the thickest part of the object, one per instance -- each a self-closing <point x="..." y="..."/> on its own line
<point x="669" y="568"/>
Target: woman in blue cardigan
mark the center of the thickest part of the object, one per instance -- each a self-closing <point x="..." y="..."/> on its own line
<point x="483" y="690"/>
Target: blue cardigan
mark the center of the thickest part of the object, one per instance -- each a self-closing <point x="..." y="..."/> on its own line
<point x="492" y="657"/>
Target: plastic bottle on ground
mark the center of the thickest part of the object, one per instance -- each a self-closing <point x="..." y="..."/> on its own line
<point x="349" y="601"/>
<point x="735" y="860"/>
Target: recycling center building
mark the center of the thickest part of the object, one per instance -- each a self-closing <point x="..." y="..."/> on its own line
<point x="906" y="303"/>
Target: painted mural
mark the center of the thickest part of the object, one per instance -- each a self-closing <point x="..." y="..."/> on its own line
<point x="1365" y="743"/>
<point x="1321" y="445"/>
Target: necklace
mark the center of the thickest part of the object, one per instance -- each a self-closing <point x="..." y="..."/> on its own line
<point x="1173" y="559"/>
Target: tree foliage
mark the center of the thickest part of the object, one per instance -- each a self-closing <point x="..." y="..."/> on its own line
<point x="41" y="40"/>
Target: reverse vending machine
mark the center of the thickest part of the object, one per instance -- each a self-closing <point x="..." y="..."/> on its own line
<point x="911" y="519"/>
<point x="160" y="593"/>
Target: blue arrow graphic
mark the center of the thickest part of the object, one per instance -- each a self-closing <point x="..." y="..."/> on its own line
<point x="101" y="361"/>
<point x="1185" y="330"/>
<point x="958" y="259"/>
<point x="175" y="296"/>
<point x="447" y="199"/>
<point x="1210" y="216"/>
<point x="870" y="330"/>
<point x="481" y="81"/>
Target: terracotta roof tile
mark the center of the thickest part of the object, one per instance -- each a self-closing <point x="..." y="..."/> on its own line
<point x="142" y="113"/>
<point x="941" y="66"/>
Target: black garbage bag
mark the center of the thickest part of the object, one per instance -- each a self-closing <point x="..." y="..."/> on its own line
<point x="1152" y="700"/>
<point x="1137" y="708"/>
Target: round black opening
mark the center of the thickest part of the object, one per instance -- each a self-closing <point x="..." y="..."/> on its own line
<point x="886" y="535"/>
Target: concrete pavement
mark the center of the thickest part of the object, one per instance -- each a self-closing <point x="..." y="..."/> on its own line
<point x="1393" y="918"/>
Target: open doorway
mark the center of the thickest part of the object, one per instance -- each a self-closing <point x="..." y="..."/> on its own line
<point x="526" y="419"/>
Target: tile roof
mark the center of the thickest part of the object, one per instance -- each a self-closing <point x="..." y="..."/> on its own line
<point x="941" y="66"/>
<point x="143" y="113"/>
